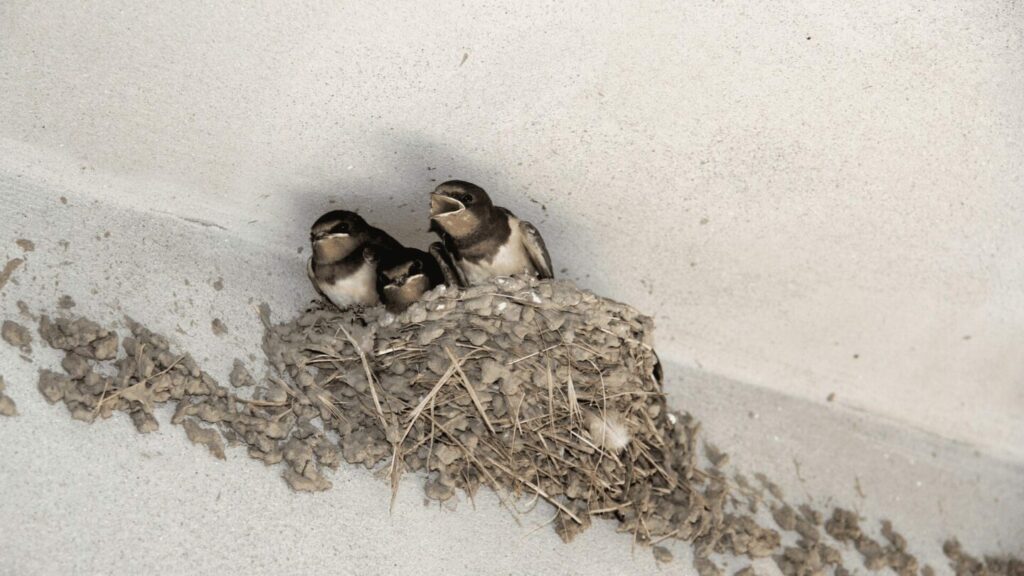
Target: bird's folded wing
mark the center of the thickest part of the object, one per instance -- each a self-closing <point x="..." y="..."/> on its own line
<point x="536" y="249"/>
<point x="448" y="270"/>
<point x="312" y="277"/>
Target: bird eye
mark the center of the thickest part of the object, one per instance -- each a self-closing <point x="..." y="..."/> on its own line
<point x="415" y="267"/>
<point x="341" y="228"/>
<point x="467" y="199"/>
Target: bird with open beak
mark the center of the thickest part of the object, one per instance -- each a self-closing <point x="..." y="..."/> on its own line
<point x="484" y="240"/>
<point x="347" y="253"/>
<point x="407" y="276"/>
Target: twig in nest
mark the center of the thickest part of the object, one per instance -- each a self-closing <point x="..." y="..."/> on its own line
<point x="490" y="478"/>
<point x="518" y="360"/>
<point x="551" y="397"/>
<point x="600" y="452"/>
<point x="369" y="377"/>
<point x="540" y="491"/>
<point x="260" y="402"/>
<point x="469" y="388"/>
<point x="665" y="537"/>
<point x="574" y="405"/>
<point x="429" y="398"/>
<point x="395" y="471"/>
<point x="328" y="402"/>
<point x="142" y="382"/>
<point x="628" y="339"/>
<point x="127" y="377"/>
<point x="284" y="386"/>
<point x="611" y="508"/>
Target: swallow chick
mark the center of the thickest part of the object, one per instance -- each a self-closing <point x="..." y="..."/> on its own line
<point x="346" y="256"/>
<point x="405" y="278"/>
<point x="482" y="239"/>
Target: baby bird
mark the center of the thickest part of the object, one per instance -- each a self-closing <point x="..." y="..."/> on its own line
<point x="405" y="278"/>
<point x="346" y="255"/>
<point x="482" y="239"/>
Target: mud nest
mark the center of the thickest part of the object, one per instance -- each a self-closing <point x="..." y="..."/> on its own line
<point x="533" y="388"/>
<point x="537" y="390"/>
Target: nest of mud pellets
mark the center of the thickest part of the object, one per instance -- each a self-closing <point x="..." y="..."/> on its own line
<point x="534" y="388"/>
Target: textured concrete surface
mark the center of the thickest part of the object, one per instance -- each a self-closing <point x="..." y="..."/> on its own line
<point x="102" y="499"/>
<point x="814" y="198"/>
<point x="810" y="199"/>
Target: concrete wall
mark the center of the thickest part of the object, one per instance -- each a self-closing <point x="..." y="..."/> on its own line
<point x="814" y="197"/>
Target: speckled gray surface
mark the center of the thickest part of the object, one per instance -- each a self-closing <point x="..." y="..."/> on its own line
<point x="810" y="199"/>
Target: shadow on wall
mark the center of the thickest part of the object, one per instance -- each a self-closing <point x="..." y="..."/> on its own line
<point x="401" y="211"/>
<point x="420" y="164"/>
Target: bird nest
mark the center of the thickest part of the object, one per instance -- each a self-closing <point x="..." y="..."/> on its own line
<point x="534" y="388"/>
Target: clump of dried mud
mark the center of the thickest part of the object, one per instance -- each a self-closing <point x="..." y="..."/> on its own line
<point x="97" y="382"/>
<point x="7" y="406"/>
<point x="964" y="563"/>
<point x="531" y="388"/>
<point x="16" y="335"/>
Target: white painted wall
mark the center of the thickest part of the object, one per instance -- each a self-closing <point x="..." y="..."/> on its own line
<point x="820" y="197"/>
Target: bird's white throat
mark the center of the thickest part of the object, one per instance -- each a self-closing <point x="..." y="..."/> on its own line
<point x="358" y="288"/>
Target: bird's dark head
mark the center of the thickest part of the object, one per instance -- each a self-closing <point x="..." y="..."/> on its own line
<point x="459" y="208"/>
<point x="403" y="284"/>
<point x="336" y="234"/>
<point x="400" y="273"/>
